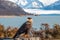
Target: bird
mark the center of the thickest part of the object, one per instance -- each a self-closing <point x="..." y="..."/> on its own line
<point x="26" y="26"/>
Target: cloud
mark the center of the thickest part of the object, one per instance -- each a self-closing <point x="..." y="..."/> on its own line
<point x="47" y="2"/>
<point x="36" y="11"/>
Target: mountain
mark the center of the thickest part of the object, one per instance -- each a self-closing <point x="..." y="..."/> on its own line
<point x="38" y="4"/>
<point x="54" y="6"/>
<point x="31" y="4"/>
<point x="10" y="8"/>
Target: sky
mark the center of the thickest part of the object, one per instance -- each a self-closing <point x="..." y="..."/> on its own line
<point x="48" y="2"/>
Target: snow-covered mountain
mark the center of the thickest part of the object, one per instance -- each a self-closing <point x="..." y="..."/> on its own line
<point x="35" y="4"/>
<point x="30" y="4"/>
<point x="10" y="8"/>
<point x="54" y="6"/>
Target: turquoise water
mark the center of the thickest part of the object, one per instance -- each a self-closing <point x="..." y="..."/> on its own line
<point x="17" y="21"/>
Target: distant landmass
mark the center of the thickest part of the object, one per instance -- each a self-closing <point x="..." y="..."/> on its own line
<point x="50" y="15"/>
<point x="10" y="8"/>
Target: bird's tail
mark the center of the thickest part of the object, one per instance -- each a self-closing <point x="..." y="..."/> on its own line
<point x="17" y="34"/>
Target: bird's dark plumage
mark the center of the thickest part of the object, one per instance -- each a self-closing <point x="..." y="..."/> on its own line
<point x="22" y="29"/>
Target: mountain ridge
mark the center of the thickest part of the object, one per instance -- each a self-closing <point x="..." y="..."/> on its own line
<point x="10" y="8"/>
<point x="54" y="6"/>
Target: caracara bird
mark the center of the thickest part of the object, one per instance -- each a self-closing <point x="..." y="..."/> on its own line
<point x="24" y="28"/>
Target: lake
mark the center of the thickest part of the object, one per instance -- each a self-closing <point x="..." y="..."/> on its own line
<point x="17" y="21"/>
